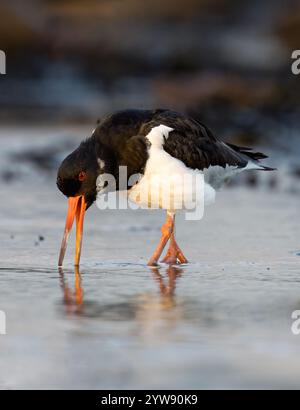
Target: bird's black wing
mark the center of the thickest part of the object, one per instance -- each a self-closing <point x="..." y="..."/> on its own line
<point x="124" y="133"/>
<point x="134" y="155"/>
<point x="195" y="145"/>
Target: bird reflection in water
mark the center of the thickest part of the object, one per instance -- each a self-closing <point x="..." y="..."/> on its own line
<point x="167" y="285"/>
<point x="145" y="306"/>
<point x="158" y="315"/>
<point x="72" y="299"/>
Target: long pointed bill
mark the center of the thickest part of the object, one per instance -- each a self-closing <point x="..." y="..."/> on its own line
<point x="77" y="207"/>
<point x="79" y="228"/>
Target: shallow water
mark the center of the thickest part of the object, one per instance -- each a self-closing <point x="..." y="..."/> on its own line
<point x="222" y="321"/>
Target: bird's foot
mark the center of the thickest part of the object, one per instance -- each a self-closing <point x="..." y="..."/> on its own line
<point x="174" y="255"/>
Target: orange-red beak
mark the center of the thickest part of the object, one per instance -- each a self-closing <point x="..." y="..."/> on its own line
<point x="77" y="207"/>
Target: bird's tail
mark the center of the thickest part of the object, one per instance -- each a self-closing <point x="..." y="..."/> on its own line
<point x="264" y="168"/>
<point x="254" y="156"/>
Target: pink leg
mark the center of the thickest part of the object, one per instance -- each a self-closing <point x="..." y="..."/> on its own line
<point x="174" y="254"/>
<point x="166" y="231"/>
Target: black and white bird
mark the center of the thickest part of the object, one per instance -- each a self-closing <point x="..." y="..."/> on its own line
<point x="156" y="145"/>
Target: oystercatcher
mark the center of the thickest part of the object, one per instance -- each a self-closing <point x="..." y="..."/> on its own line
<point x="148" y="142"/>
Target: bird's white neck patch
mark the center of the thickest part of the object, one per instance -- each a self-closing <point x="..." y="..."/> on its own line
<point x="157" y="134"/>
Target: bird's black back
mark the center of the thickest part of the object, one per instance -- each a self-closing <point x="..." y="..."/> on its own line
<point x="123" y="134"/>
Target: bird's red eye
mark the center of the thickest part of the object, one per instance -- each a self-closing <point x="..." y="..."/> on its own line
<point x="82" y="176"/>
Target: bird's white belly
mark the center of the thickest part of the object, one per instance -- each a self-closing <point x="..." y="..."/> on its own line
<point x="168" y="184"/>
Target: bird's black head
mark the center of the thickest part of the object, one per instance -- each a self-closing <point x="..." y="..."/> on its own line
<point x="78" y="172"/>
<point x="76" y="179"/>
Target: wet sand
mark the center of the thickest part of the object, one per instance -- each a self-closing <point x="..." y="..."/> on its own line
<point x="223" y="321"/>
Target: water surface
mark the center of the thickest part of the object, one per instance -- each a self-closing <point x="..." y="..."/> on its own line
<point x="223" y="321"/>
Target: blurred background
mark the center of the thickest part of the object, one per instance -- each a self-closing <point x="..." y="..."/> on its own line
<point x="223" y="321"/>
<point x="227" y="61"/>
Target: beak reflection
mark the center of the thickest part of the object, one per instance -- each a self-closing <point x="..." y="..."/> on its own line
<point x="73" y="299"/>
